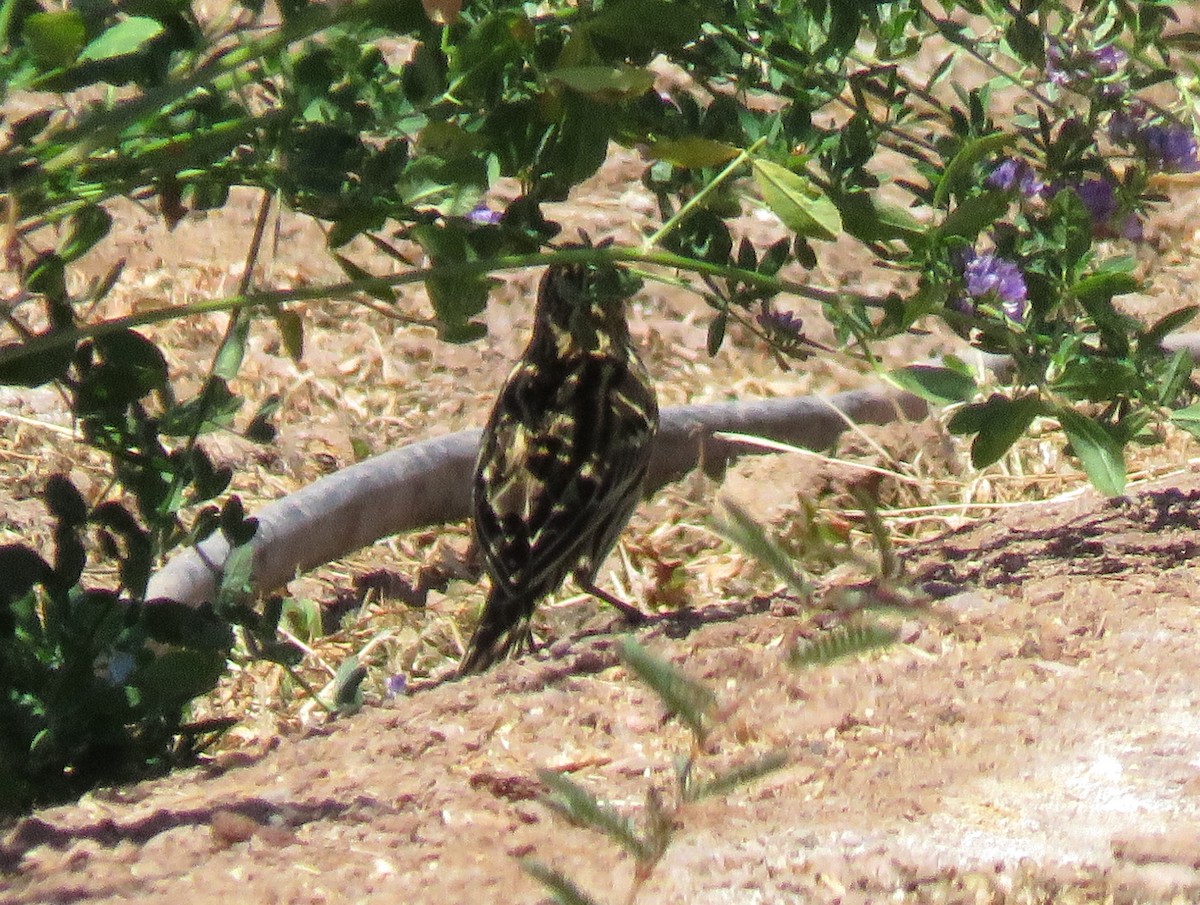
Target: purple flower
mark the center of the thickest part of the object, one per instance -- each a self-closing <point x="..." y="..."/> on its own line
<point x="396" y="685"/>
<point x="990" y="278"/>
<point x="781" y="323"/>
<point x="1054" y="65"/>
<point x="1123" y="127"/>
<point x="1113" y="91"/>
<point x="1012" y="174"/>
<point x="1099" y="198"/>
<point x="483" y="215"/>
<point x="1107" y="60"/>
<point x="1079" y="69"/>
<point x="1172" y="148"/>
<point x="1131" y="228"/>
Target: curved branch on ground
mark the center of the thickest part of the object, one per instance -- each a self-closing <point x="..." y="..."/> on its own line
<point x="429" y="483"/>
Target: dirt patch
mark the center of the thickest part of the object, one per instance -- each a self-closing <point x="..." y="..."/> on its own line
<point x="1043" y="737"/>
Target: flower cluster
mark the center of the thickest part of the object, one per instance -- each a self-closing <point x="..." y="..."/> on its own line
<point x="1171" y="147"/>
<point x="1164" y="145"/>
<point x="1015" y="175"/>
<point x="1087" y="70"/>
<point x="786" y="331"/>
<point x="1109" y="219"/>
<point x="993" y="280"/>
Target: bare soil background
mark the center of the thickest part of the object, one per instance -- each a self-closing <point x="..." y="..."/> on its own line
<point x="1038" y="743"/>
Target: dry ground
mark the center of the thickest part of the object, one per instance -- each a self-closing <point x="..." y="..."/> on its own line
<point x="1039" y="742"/>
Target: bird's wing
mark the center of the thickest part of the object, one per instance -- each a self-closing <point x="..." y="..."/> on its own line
<point x="550" y="479"/>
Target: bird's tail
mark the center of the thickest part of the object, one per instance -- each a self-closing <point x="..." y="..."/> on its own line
<point x="503" y="631"/>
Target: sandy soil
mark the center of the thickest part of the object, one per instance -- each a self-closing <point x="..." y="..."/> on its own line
<point x="1042" y="739"/>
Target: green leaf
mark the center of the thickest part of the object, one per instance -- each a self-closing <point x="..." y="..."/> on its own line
<point x="260" y="429"/>
<point x="747" y="534"/>
<point x="347" y="685"/>
<point x="740" y="776"/>
<point x="133" y="368"/>
<point x="64" y="501"/>
<point x="681" y="696"/>
<point x="212" y="409"/>
<point x="958" y="171"/>
<point x="138" y="557"/>
<point x="238" y="528"/>
<point x="237" y="578"/>
<point x="1174" y="376"/>
<point x="693" y="152"/>
<point x="1103" y="286"/>
<point x="208" y="480"/>
<point x="233" y="349"/>
<point x="797" y="202"/>
<point x="183" y="625"/>
<point x="54" y="39"/>
<point x="933" y="384"/>
<point x="716" y="332"/>
<point x="291" y="331"/>
<point x="123" y="39"/>
<point x="974" y="214"/>
<point x="22" y="568"/>
<point x="998" y="423"/>
<point x="303" y="618"/>
<point x="459" y="297"/>
<point x="456" y="299"/>
<point x="839" y="643"/>
<point x="1099" y="453"/>
<point x="1188" y="419"/>
<point x="558" y="884"/>
<point x="869" y="219"/>
<point x="1167" y="325"/>
<point x="657" y="25"/>
<point x="605" y="83"/>
<point x="33" y="369"/>
<point x="87" y="227"/>
<point x="1096" y="378"/>
<point x="579" y="806"/>
<point x="171" y="680"/>
<point x="1027" y="41"/>
<point x="372" y="285"/>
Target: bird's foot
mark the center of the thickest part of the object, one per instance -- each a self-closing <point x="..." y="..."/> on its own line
<point x="631" y="613"/>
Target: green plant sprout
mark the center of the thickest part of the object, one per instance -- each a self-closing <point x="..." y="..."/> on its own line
<point x="647" y="840"/>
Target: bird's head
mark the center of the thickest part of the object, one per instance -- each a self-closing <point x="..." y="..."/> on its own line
<point x="584" y="306"/>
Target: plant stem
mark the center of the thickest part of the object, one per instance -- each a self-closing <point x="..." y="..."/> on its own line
<point x="349" y="288"/>
<point x="696" y="199"/>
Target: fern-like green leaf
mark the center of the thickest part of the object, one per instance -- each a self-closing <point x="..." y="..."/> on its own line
<point x="561" y="887"/>
<point x="846" y="641"/>
<point x="682" y="697"/>
<point x="890" y="565"/>
<point x="747" y="535"/>
<point x="580" y="807"/>
<point x="739" y="776"/>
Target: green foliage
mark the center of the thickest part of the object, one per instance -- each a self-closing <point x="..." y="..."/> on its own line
<point x="809" y="108"/>
<point x="647" y="840"/>
<point x="748" y="535"/>
<point x="689" y="700"/>
<point x="839" y="643"/>
<point x="87" y="692"/>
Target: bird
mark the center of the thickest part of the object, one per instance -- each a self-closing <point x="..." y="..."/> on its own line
<point x="563" y="457"/>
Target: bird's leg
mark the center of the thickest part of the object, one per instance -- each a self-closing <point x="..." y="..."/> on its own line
<point x="631" y="613"/>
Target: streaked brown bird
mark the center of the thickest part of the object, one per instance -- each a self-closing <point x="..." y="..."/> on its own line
<point x="563" y="457"/>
